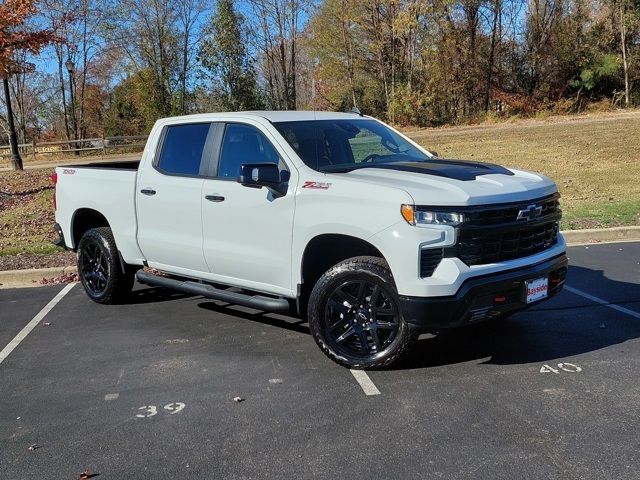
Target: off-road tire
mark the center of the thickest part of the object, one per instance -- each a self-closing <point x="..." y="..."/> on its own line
<point x="119" y="282"/>
<point x="370" y="269"/>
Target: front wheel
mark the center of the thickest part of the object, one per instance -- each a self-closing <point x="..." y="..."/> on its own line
<point x="99" y="267"/>
<point x="354" y="315"/>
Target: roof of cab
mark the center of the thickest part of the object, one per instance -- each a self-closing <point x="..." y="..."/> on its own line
<point x="273" y="115"/>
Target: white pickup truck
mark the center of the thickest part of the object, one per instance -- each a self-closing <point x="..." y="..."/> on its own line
<point x="335" y="217"/>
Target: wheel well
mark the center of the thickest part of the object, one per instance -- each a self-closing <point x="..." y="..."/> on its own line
<point x="324" y="251"/>
<point x="85" y="219"/>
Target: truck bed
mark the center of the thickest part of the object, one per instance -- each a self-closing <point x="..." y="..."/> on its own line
<point x="107" y="188"/>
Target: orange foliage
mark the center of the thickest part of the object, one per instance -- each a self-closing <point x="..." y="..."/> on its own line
<point x="14" y="36"/>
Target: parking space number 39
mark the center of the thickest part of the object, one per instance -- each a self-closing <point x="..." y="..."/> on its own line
<point x="172" y="408"/>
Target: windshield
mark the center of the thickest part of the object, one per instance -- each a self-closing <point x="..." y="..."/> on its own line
<point x="344" y="145"/>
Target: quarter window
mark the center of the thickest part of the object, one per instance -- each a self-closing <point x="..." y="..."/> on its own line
<point x="244" y="144"/>
<point x="182" y="148"/>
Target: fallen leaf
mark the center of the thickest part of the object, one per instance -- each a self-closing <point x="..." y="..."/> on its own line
<point x="87" y="474"/>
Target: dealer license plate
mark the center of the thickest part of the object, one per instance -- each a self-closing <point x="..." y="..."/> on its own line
<point x="537" y="289"/>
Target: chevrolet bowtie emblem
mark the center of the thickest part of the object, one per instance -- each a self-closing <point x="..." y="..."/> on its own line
<point x="530" y="213"/>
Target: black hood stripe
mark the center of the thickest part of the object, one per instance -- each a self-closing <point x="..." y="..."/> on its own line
<point x="454" y="169"/>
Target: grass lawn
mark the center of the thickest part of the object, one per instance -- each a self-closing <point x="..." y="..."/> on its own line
<point x="594" y="160"/>
<point x="26" y="213"/>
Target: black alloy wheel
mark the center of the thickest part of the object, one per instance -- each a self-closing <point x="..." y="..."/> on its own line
<point x="94" y="269"/>
<point x="361" y="318"/>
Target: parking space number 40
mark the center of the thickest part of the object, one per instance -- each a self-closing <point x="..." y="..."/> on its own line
<point x="565" y="367"/>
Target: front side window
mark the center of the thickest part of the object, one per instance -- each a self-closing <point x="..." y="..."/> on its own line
<point x="182" y="148"/>
<point x="343" y="145"/>
<point x="244" y="144"/>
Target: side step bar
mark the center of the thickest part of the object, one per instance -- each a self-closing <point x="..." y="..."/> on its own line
<point x="267" y="304"/>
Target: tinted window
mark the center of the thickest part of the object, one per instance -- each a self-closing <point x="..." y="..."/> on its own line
<point x="244" y="144"/>
<point x="182" y="148"/>
<point x="336" y="145"/>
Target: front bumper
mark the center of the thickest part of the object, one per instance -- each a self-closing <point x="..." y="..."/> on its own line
<point x="481" y="298"/>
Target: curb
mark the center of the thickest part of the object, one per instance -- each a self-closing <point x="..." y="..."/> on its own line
<point x="30" y="278"/>
<point x="600" y="235"/>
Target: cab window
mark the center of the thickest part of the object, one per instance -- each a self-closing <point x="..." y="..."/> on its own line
<point x="182" y="148"/>
<point x="244" y="144"/>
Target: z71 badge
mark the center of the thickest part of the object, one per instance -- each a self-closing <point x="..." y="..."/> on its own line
<point x="316" y="185"/>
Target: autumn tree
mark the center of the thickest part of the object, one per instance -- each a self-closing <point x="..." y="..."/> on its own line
<point x="16" y="37"/>
<point x="277" y="29"/>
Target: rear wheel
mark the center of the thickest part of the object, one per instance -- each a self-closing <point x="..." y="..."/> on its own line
<point x="99" y="267"/>
<point x="354" y="315"/>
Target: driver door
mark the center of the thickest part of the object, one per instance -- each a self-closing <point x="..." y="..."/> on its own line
<point x="247" y="232"/>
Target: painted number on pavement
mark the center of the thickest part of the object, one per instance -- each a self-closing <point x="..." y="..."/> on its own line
<point x="172" y="408"/>
<point x="565" y="367"/>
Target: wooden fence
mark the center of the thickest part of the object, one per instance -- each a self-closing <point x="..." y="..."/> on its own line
<point x="102" y="145"/>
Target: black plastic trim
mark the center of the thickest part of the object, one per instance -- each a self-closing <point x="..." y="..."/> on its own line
<point x="269" y="304"/>
<point x="478" y="293"/>
<point x="59" y="242"/>
<point x="430" y="258"/>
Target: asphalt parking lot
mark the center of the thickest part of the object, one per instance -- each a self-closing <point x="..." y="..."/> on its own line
<point x="146" y="390"/>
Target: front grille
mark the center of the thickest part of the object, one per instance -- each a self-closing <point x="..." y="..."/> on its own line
<point x="494" y="234"/>
<point x="479" y="247"/>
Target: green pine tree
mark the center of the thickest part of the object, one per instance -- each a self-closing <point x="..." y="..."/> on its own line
<point x="225" y="57"/>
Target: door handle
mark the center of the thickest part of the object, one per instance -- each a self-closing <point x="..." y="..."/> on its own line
<point x="214" y="198"/>
<point x="148" y="191"/>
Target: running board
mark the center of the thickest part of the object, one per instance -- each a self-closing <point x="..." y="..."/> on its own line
<point x="267" y="304"/>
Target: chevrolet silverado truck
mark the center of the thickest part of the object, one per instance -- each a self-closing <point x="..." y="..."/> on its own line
<point x="335" y="217"/>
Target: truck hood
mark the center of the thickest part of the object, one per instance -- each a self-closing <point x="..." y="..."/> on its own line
<point x="455" y="182"/>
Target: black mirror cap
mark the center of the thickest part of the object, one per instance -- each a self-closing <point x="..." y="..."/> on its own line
<point x="257" y="175"/>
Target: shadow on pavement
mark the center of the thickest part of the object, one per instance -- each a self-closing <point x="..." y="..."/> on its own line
<point x="566" y="325"/>
<point x="154" y="295"/>
<point x="289" y="323"/>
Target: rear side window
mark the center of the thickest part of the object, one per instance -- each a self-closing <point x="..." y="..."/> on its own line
<point x="182" y="149"/>
<point x="244" y="144"/>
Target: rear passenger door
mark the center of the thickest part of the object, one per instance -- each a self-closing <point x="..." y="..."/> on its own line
<point x="168" y="198"/>
<point x="247" y="231"/>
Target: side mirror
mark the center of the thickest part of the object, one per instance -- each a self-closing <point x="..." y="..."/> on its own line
<point x="258" y="175"/>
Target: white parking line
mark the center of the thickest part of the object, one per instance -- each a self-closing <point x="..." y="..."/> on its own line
<point x="602" y="302"/>
<point x="32" y="324"/>
<point x="365" y="382"/>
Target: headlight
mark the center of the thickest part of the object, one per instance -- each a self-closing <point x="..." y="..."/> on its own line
<point x="419" y="217"/>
